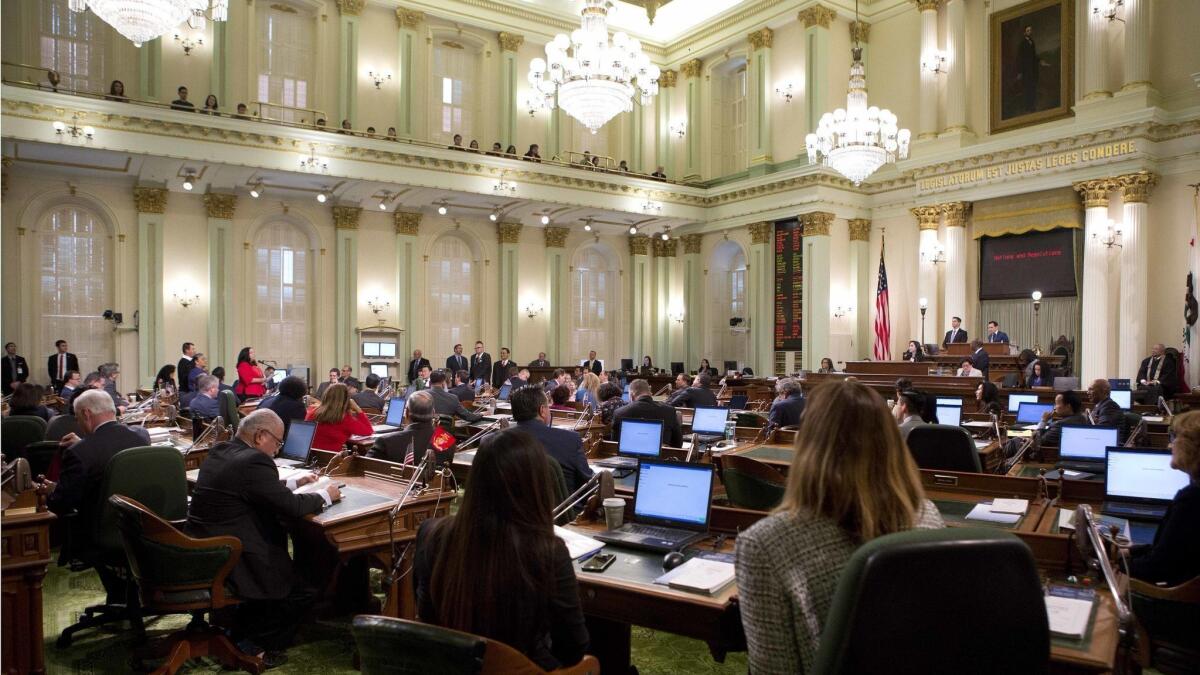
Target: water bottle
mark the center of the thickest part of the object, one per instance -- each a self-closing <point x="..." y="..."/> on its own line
<point x="730" y="430"/>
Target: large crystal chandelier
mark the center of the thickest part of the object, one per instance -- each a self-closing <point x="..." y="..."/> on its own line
<point x="143" y="20"/>
<point x="594" y="79"/>
<point x="857" y="140"/>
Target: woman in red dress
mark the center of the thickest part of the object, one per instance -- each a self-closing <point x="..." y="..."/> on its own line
<point x="250" y="376"/>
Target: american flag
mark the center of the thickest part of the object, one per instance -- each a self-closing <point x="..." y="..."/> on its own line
<point x="882" y="349"/>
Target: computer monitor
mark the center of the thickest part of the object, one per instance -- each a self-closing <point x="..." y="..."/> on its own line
<point x="640" y="438"/>
<point x="1122" y="397"/>
<point x="505" y="390"/>
<point x="738" y="401"/>
<point x="673" y="494"/>
<point x="730" y="365"/>
<point x="625" y="393"/>
<point x="278" y="376"/>
<point x="1015" y="401"/>
<point x="710" y="421"/>
<point x="298" y="441"/>
<point x="387" y="349"/>
<point x="949" y="400"/>
<point x="1031" y="413"/>
<point x="370" y="349"/>
<point x="676" y="367"/>
<point x="626" y="365"/>
<point x="1118" y="383"/>
<point x="379" y="369"/>
<point x="949" y="414"/>
<point x="1086" y="442"/>
<point x="395" y="411"/>
<point x="1142" y="474"/>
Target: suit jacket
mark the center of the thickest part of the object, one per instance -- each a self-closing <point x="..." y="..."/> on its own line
<point x="182" y="369"/>
<point x="445" y="403"/>
<point x="481" y="367"/>
<point x="393" y="447"/>
<point x="981" y="360"/>
<point x="786" y="412"/>
<point x="83" y="465"/>
<point x="595" y="366"/>
<point x="1168" y="374"/>
<point x="692" y="397"/>
<point x="322" y="387"/>
<point x="238" y="493"/>
<point x="998" y="336"/>
<point x="193" y="377"/>
<point x="500" y="373"/>
<point x="14" y="370"/>
<point x="456" y="362"/>
<point x="57" y="378"/>
<point x="646" y="408"/>
<point x="1108" y="414"/>
<point x="1052" y="434"/>
<point x="286" y="407"/>
<point x="961" y="336"/>
<point x="565" y="447"/>
<point x="117" y="399"/>
<point x="539" y="363"/>
<point x="204" y="406"/>
<point x="464" y="392"/>
<point x="909" y="424"/>
<point x="414" y="367"/>
<point x="368" y="399"/>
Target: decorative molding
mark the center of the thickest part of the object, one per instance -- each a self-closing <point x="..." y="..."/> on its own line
<point x="408" y="18"/>
<point x="510" y="42"/>
<point x="1095" y="192"/>
<point x="351" y="7"/>
<point x="407" y="222"/>
<point x="510" y="233"/>
<point x="817" y="223"/>
<point x="956" y="213"/>
<point x="928" y="5"/>
<point x="691" y="69"/>
<point x="556" y="237"/>
<point x="346" y="217"/>
<point x="761" y="38"/>
<point x="817" y="15"/>
<point x="639" y="244"/>
<point x="760" y="233"/>
<point x="692" y="243"/>
<point x="860" y="229"/>
<point x="927" y="217"/>
<point x="665" y="249"/>
<point x="150" y="199"/>
<point x="220" y="206"/>
<point x="1135" y="187"/>
<point x="667" y="78"/>
<point x="860" y="31"/>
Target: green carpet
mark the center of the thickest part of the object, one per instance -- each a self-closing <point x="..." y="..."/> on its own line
<point x="324" y="647"/>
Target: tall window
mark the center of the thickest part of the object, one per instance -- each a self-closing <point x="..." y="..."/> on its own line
<point x="74" y="283"/>
<point x="452" y="297"/>
<point x="285" y="64"/>
<point x="455" y="92"/>
<point x="74" y="45"/>
<point x="727" y="286"/>
<point x="730" y="91"/>
<point x="593" y="303"/>
<point x="283" y="300"/>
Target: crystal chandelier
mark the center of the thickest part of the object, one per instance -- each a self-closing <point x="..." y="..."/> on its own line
<point x="857" y="140"/>
<point x="143" y="20"/>
<point x="594" y="79"/>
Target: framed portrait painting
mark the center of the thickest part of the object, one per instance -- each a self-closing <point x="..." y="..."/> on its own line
<point x="1032" y="63"/>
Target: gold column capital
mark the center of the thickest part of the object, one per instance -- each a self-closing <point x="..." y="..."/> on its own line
<point x="761" y="38"/>
<point x="760" y="233"/>
<point x="1135" y="187"/>
<point x="220" y="205"/>
<point x="351" y="7"/>
<point x="860" y="31"/>
<point x="692" y="243"/>
<point x="510" y="232"/>
<point x="639" y="244"/>
<point x="510" y="42"/>
<point x="408" y="18"/>
<point x="1094" y="192"/>
<point x="956" y="213"/>
<point x="927" y="217"/>
<point x="665" y="249"/>
<point x="346" y="217"/>
<point x="556" y="237"/>
<point x="407" y="222"/>
<point x="691" y="69"/>
<point x="860" y="229"/>
<point x="150" y="199"/>
<point x="817" y="15"/>
<point x="928" y="5"/>
<point x="667" y="78"/>
<point x="817" y="223"/>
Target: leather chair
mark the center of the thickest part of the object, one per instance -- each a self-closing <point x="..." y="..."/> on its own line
<point x="177" y="574"/>
<point x="561" y="492"/>
<point x="153" y="476"/>
<point x="957" y="600"/>
<point x="227" y="404"/>
<point x="751" y="484"/>
<point x="388" y="646"/>
<point x="1168" y="621"/>
<point x="943" y="447"/>
<point x="18" y="431"/>
<point x="61" y="425"/>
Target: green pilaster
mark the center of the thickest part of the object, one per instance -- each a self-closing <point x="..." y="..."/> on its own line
<point x="816" y="287"/>
<point x="220" y="73"/>
<point x="692" y="155"/>
<point x="760" y="89"/>
<point x="860" y="285"/>
<point x="634" y="142"/>
<point x="662" y="137"/>
<point x="220" y="346"/>
<point x="817" y="20"/>
<point x="760" y="297"/>
<point x="553" y="144"/>
<point x="347" y="78"/>
<point x="510" y="238"/>
<point x="510" y="79"/>
<point x="664" y="266"/>
<point x="556" y="288"/>
<point x="345" y="283"/>
<point x="407" y="226"/>
<point x="693" y="299"/>
<point x="639" y="303"/>
<point x="150" y="72"/>
<point x="407" y="21"/>
<point x="151" y="203"/>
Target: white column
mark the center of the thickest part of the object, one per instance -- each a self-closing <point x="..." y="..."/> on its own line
<point x="929" y="94"/>
<point x="1137" y="45"/>
<point x="1094" y="348"/>
<point x="408" y="226"/>
<point x="860" y="285"/>
<point x="816" y="287"/>
<point x="1095" y="71"/>
<point x="956" y="259"/>
<point x="220" y="208"/>
<point x="956" y="61"/>
<point x="1135" y="261"/>
<point x="760" y="296"/>
<point x="510" y="81"/>
<point x="151" y="203"/>
<point x="927" y="275"/>
<point x="759" y="96"/>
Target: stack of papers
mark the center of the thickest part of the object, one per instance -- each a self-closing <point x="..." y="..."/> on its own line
<point x="1068" y="616"/>
<point x="985" y="513"/>
<point x="579" y="546"/>
<point x="316" y="486"/>
<point x="1066" y="521"/>
<point x="1017" y="506"/>
<point x="699" y="575"/>
<point x="160" y="433"/>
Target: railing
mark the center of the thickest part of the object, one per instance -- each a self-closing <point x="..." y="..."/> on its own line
<point x="52" y="76"/>
<point x="316" y="115"/>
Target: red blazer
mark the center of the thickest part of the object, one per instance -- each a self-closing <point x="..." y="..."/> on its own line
<point x="245" y="387"/>
<point x="333" y="437"/>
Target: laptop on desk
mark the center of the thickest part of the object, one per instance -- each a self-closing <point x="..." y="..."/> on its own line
<point x="1122" y="397"/>
<point x="394" y="419"/>
<point x="671" y="506"/>
<point x="949" y="414"/>
<point x="1083" y="447"/>
<point x="709" y="421"/>
<point x="297" y="446"/>
<point x="1015" y="401"/>
<point x="639" y="439"/>
<point x="505" y="390"/>
<point x="1029" y="415"/>
<point x="1139" y="483"/>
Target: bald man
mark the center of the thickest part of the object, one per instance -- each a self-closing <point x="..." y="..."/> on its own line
<point x="1159" y="373"/>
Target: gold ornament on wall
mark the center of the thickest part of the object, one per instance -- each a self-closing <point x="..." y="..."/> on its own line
<point x="150" y="199"/>
<point x="692" y="243"/>
<point x="407" y="222"/>
<point x="691" y="68"/>
<point x="639" y="244"/>
<point x="1135" y="187"/>
<point x="408" y="18"/>
<point x="346" y="217"/>
<point x="511" y="42"/>
<point x="817" y="15"/>
<point x="816" y="223"/>
<point x="761" y="38"/>
<point x="1094" y="192"/>
<point x="556" y="237"/>
<point x="956" y="213"/>
<point x="667" y="79"/>
<point x="760" y="233"/>
<point x="220" y="206"/>
<point x="510" y="233"/>
<point x="860" y="229"/>
<point x="927" y="217"/>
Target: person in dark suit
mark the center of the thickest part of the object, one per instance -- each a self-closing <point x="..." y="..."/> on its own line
<point x="593" y="364"/>
<point x="446" y="403"/>
<point x="334" y="378"/>
<point x="416" y="364"/>
<point x="410" y="444"/>
<point x="1068" y="409"/>
<point x="184" y="367"/>
<point x="642" y="406"/>
<point x="518" y="379"/>
<point x="995" y="334"/>
<point x="956" y="333"/>
<point x="367" y="398"/>
<point x="788" y="406"/>
<point x="1105" y="411"/>
<point x="500" y="369"/>
<point x="456" y="361"/>
<point x="110" y="372"/>
<point x="60" y="363"/>
<point x="481" y="364"/>
<point x="462" y="386"/>
<point x="1159" y="370"/>
<point x="1029" y="70"/>
<point x="540" y="361"/>
<point x="980" y="358"/>
<point x="238" y="493"/>
<point x="697" y="395"/>
<point x="531" y="411"/>
<point x="204" y="403"/>
<point x="15" y="369"/>
<point x="288" y="403"/>
<point x="73" y="382"/>
<point x="1174" y="557"/>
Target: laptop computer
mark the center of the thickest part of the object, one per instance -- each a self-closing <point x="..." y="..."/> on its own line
<point x="1122" y="397"/>
<point x="950" y="414"/>
<point x="639" y="439"/>
<point x="1139" y="483"/>
<point x="709" y="421"/>
<point x="671" y="506"/>
<point x="505" y="390"/>
<point x="1083" y="447"/>
<point x="625" y="394"/>
<point x="297" y="445"/>
<point x="1029" y="415"/>
<point x="738" y="401"/>
<point x="1015" y="401"/>
<point x="394" y="419"/>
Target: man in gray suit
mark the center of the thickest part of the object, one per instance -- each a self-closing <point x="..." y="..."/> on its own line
<point x="445" y="403"/>
<point x="908" y="412"/>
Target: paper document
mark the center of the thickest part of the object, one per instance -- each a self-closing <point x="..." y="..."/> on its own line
<point x="699" y="575"/>
<point x="1018" y="506"/>
<point x="286" y="474"/>
<point x="977" y="425"/>
<point x="320" y="484"/>
<point x="1066" y="521"/>
<point x="578" y="545"/>
<point x="1152" y="418"/>
<point x="984" y="512"/>
<point x="1071" y="473"/>
<point x="1068" y="616"/>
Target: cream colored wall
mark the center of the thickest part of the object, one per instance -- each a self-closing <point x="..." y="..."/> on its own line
<point x="787" y="119"/>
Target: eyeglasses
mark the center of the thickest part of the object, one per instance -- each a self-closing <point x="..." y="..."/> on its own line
<point x="278" y="442"/>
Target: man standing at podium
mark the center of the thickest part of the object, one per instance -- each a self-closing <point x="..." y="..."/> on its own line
<point x="955" y="334"/>
<point x="995" y="334"/>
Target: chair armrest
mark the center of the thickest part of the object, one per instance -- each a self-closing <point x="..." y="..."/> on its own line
<point x="1188" y="591"/>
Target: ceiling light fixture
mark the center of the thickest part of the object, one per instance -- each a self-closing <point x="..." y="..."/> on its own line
<point x="587" y="226"/>
<point x="188" y="179"/>
<point x="442" y="210"/>
<point x="143" y="20"/>
<point x="545" y="219"/>
<point x="312" y="163"/>
<point x="493" y="216"/>
<point x="633" y="229"/>
<point x="73" y="130"/>
<point x="666" y="236"/>
<point x="256" y="190"/>
<point x="321" y="197"/>
<point x="188" y="43"/>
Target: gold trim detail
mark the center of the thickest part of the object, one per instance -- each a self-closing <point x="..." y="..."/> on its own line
<point x="927" y="217"/>
<point x="928" y="5"/>
<point x="666" y="79"/>
<point x="860" y="229"/>
<point x="220" y="206"/>
<point x="639" y="244"/>
<point x="860" y="31"/>
<point x="692" y="243"/>
<point x="816" y="224"/>
<point x="408" y="18"/>
<point x="691" y="69"/>
<point x="346" y="217"/>
<point x="956" y="213"/>
<point x="760" y="233"/>
<point x="761" y="38"/>
<point x="510" y="233"/>
<point x="351" y="7"/>
<point x="510" y="42"/>
<point x="1135" y="187"/>
<point x="817" y="15"/>
<point x="150" y="199"/>
<point x="556" y="237"/>
<point x="665" y="249"/>
<point x="407" y="222"/>
<point x="1094" y="192"/>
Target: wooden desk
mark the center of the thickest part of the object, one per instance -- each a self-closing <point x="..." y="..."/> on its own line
<point x="24" y="559"/>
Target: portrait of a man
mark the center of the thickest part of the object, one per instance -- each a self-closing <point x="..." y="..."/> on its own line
<point x="1032" y="63"/>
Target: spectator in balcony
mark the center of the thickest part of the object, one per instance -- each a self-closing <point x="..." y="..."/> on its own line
<point x="586" y="160"/>
<point x="457" y="145"/>
<point x="659" y="173"/>
<point x="532" y="153"/>
<point x="496" y="150"/>
<point x="596" y="161"/>
<point x="391" y="134"/>
<point x="116" y="91"/>
<point x="474" y="146"/>
<point x="242" y="112"/>
<point x="210" y="105"/>
<point x="345" y="127"/>
<point x="182" y="103"/>
<point x="320" y="121"/>
<point x="511" y="151"/>
<point x="370" y="131"/>
<point x="623" y="166"/>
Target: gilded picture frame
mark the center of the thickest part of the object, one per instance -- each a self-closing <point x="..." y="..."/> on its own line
<point x="1032" y="63"/>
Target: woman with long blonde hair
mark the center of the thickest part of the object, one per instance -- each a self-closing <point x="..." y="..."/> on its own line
<point x="338" y="418"/>
<point x="852" y="480"/>
<point x="589" y="390"/>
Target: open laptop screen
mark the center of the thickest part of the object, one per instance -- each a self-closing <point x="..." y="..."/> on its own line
<point x="395" y="412"/>
<point x="1015" y="401"/>
<point x="1086" y="442"/>
<point x="1031" y="413"/>
<point x="949" y="414"/>
<point x="505" y="390"/>
<point x="673" y="493"/>
<point x="949" y="400"/>
<point x="1122" y="397"/>
<point x="299" y="441"/>
<point x="710" y="421"/>
<point x="1142" y="473"/>
<point x="640" y="438"/>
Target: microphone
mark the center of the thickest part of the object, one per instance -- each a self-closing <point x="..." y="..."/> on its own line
<point x="1162" y="403"/>
<point x="599" y="485"/>
<point x="1093" y="546"/>
<point x="423" y="474"/>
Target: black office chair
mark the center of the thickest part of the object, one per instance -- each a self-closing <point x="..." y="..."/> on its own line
<point x="943" y="447"/>
<point x="61" y="425"/>
<point x="959" y="600"/>
<point x="18" y="431"/>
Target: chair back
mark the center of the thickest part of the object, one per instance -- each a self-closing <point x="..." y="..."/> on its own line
<point x="42" y="456"/>
<point x="751" y="484"/>
<point x="388" y="646"/>
<point x="943" y="447"/>
<point x="18" y="431"/>
<point x="151" y="475"/>
<point x="61" y="425"/>
<point x="561" y="492"/>
<point x="228" y="405"/>
<point x="974" y="591"/>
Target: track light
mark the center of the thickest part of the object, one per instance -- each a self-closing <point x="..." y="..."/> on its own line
<point x="587" y="227"/>
<point x="493" y="216"/>
<point x="666" y="237"/>
<point x="321" y="197"/>
<point x="382" y="205"/>
<point x="545" y="220"/>
<point x="633" y="229"/>
<point x="187" y="182"/>
<point x="256" y="190"/>
<point x="441" y="210"/>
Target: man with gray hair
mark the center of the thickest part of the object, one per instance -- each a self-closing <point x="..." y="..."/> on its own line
<point x="204" y="403"/>
<point x="409" y="445"/>
<point x="110" y="371"/>
<point x="238" y="493"/>
<point x="788" y="405"/>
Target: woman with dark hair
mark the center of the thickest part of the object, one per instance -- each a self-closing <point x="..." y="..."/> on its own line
<point x="647" y="365"/>
<point x="559" y="397"/>
<point x="1038" y="377"/>
<point x="210" y="105"/>
<point x="826" y="366"/>
<point x="987" y="394"/>
<point x="915" y="352"/>
<point x="289" y="402"/>
<point x="511" y="151"/>
<point x="165" y="379"/>
<point x="27" y="400"/>
<point x="496" y="569"/>
<point x="610" y="400"/>
<point x="116" y="92"/>
<point x="250" y="376"/>
<point x="705" y="367"/>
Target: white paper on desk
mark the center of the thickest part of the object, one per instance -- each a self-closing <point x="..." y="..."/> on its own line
<point x="578" y="545"/>
<point x="316" y="486"/>
<point x="1068" y="616"/>
<point x="288" y="473"/>
<point x="1152" y="418"/>
<point x="1066" y="521"/>
<point x="699" y="575"/>
<point x="977" y="425"/>
<point x="984" y="512"/>
<point x="981" y="443"/>
<point x="1017" y="506"/>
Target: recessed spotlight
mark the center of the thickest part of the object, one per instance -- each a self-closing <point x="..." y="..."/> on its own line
<point x="633" y="229"/>
<point x="493" y="216"/>
<point x="587" y="227"/>
<point x="321" y="197"/>
<point x="545" y="220"/>
<point x="442" y="210"/>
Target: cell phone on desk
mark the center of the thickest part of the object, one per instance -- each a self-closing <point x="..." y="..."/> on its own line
<point x="598" y="562"/>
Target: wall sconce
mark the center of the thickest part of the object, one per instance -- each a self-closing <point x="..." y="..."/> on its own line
<point x="73" y="130"/>
<point x="379" y="78"/>
<point x="532" y="309"/>
<point x="935" y="254"/>
<point x="785" y="91"/>
<point x="1111" y="236"/>
<point x="840" y="311"/>
<point x="677" y="128"/>
<point x="312" y="163"/>
<point x="923" y="305"/>
<point x="185" y="298"/>
<point x="188" y="44"/>
<point x="934" y="62"/>
<point x="676" y="315"/>
<point x="533" y="103"/>
<point x="1110" y="11"/>
<point x="378" y="305"/>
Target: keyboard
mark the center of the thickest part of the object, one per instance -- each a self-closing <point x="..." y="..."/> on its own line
<point x="617" y="463"/>
<point x="1134" y="510"/>
<point x="1086" y="467"/>
<point x="382" y="428"/>
<point x="651" y="531"/>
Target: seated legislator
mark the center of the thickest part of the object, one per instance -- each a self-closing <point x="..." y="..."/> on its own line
<point x="642" y="406"/>
<point x="289" y="402"/>
<point x="204" y="403"/>
<point x="967" y="369"/>
<point x="1174" y="557"/>
<point x="540" y="361"/>
<point x="110" y="372"/>
<point x="987" y="398"/>
<point x="409" y="444"/>
<point x="907" y="412"/>
<point x="334" y="378"/>
<point x="610" y="401"/>
<point x="647" y="367"/>
<point x="788" y="405"/>
<point x="560" y="398"/>
<point x="1067" y="407"/>
<point x="826" y="366"/>
<point x="496" y="569"/>
<point x="238" y="493"/>
<point x="70" y="385"/>
<point x="705" y="367"/>
<point x="338" y="418"/>
<point x="462" y="386"/>
<point x="1105" y="411"/>
<point x="560" y="378"/>
<point x="367" y="398"/>
<point x="531" y="412"/>
<point x="1038" y="377"/>
<point x="1158" y="373"/>
<point x="852" y="480"/>
<point x="445" y="403"/>
<point x="696" y="396"/>
<point x="27" y="400"/>
<point x="589" y="390"/>
<point x="915" y="352"/>
<point x="519" y="377"/>
<point x="956" y="333"/>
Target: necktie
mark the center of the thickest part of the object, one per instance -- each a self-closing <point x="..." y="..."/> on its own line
<point x="62" y="365"/>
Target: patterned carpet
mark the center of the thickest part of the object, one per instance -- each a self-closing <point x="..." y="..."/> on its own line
<point x="325" y="647"/>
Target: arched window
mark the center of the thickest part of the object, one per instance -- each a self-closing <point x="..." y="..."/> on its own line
<point x="286" y="38"/>
<point x="453" y="314"/>
<point x="727" y="288"/>
<point x="729" y="92"/>
<point x="455" y="96"/>
<point x="73" y="44"/>
<point x="594" y="294"/>
<point x="282" y="254"/>
<point x="73" y="283"/>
